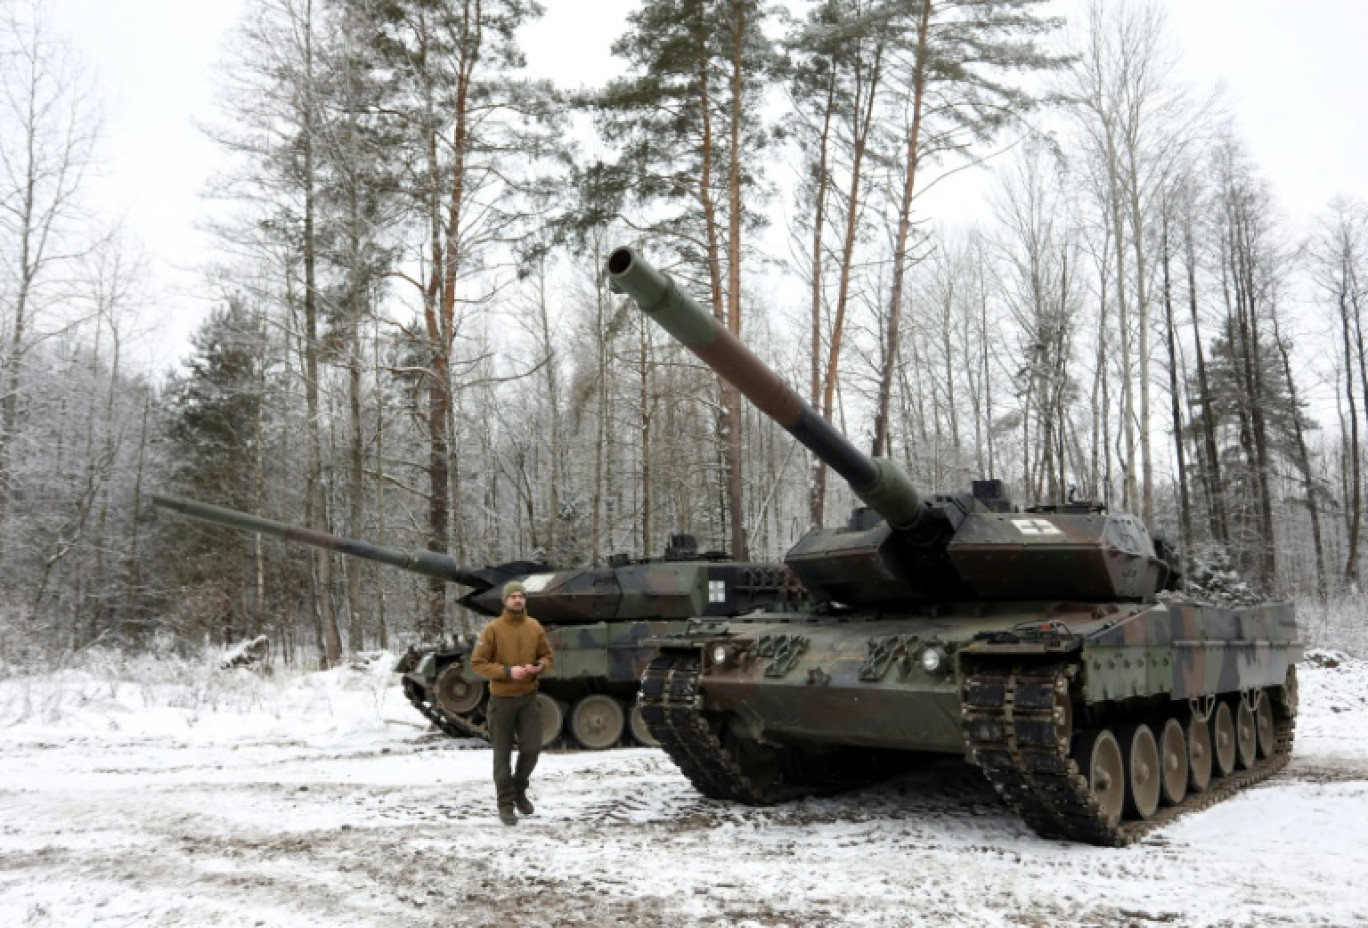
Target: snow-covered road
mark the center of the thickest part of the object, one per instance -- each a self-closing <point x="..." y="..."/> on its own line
<point x="319" y="800"/>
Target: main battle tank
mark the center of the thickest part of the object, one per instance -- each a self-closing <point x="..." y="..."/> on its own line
<point x="1048" y="646"/>
<point x="597" y="620"/>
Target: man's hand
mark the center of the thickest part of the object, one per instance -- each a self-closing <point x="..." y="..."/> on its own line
<point x="525" y="671"/>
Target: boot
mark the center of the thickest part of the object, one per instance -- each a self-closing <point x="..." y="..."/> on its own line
<point x="506" y="815"/>
<point x="524" y="804"/>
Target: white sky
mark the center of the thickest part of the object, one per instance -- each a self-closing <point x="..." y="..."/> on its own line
<point x="1295" y="76"/>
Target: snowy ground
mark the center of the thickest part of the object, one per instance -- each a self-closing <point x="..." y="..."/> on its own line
<point x="223" y="799"/>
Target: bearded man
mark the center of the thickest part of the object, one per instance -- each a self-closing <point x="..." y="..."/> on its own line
<point x="512" y="653"/>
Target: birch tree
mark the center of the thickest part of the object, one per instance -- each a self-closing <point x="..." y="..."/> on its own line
<point x="1136" y="122"/>
<point x="1339" y="267"/>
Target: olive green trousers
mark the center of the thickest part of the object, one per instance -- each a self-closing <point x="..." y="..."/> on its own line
<point x="513" y="717"/>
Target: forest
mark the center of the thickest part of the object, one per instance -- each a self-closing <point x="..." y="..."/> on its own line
<point x="414" y="343"/>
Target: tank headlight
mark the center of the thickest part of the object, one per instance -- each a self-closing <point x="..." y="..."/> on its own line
<point x="719" y="655"/>
<point x="933" y="659"/>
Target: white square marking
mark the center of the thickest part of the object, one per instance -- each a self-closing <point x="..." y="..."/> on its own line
<point x="1036" y="527"/>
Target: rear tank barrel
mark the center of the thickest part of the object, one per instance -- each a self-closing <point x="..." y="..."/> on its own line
<point x="428" y="563"/>
<point x="881" y="485"/>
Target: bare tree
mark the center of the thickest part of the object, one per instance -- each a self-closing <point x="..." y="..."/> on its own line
<point x="1136" y="122"/>
<point x="840" y="68"/>
<point x="49" y="130"/>
<point x="1041" y="290"/>
<point x="1339" y="267"/>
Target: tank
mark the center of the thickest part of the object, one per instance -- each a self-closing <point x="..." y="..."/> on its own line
<point x="1050" y="647"/>
<point x="599" y="622"/>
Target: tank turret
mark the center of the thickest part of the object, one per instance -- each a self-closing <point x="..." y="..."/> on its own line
<point x="1033" y="642"/>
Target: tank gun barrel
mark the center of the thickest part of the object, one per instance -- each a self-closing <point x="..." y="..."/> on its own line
<point x="880" y="484"/>
<point x="428" y="563"/>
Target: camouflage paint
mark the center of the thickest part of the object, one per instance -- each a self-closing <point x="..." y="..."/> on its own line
<point x="1055" y="628"/>
<point x="653" y="590"/>
<point x="1038" y="555"/>
<point x="860" y="682"/>
<point x="599" y="620"/>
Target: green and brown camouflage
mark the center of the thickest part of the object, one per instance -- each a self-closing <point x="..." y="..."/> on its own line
<point x="1052" y="647"/>
<point x="600" y="622"/>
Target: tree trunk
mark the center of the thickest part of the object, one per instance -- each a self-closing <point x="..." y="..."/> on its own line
<point x="1211" y="473"/>
<point x="816" y="469"/>
<point x="1303" y="461"/>
<point x="316" y="515"/>
<point x="1175" y="402"/>
<point x="895" y="297"/>
<point x="731" y="397"/>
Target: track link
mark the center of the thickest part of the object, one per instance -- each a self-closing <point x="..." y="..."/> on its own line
<point x="671" y="707"/>
<point x="455" y="726"/>
<point x="1013" y="726"/>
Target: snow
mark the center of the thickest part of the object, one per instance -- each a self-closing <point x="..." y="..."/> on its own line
<point x="160" y="793"/>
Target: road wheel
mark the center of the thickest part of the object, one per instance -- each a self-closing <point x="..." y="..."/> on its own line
<point x="1223" y="736"/>
<point x="1098" y="755"/>
<point x="1263" y="724"/>
<point x="1199" y="753"/>
<point x="455" y="694"/>
<point x="552" y="717"/>
<point x="1173" y="762"/>
<point x="597" y="722"/>
<point x="1141" y="754"/>
<point x="1246" y="734"/>
<point x="640" y="732"/>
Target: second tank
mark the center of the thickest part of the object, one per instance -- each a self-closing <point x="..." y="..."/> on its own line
<point x="599" y="622"/>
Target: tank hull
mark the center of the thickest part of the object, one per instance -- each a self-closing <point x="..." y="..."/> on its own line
<point x="758" y="709"/>
<point x="599" y="623"/>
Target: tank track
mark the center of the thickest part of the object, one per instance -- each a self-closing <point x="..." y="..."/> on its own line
<point x="1011" y="715"/>
<point x="453" y="726"/>
<point x="670" y="706"/>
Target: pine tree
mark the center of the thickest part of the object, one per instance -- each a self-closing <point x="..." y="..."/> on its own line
<point x="955" y="91"/>
<point x="213" y="415"/>
<point x="687" y="127"/>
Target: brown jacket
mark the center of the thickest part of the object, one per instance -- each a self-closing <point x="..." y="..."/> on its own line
<point x="510" y="641"/>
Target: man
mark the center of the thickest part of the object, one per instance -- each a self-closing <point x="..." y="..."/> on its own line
<point x="513" y="652"/>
